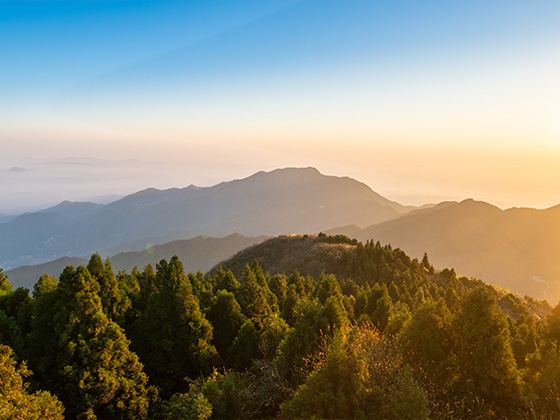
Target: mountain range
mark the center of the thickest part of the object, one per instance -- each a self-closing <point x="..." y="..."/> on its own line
<point x="514" y="248"/>
<point x="196" y="254"/>
<point x="267" y="203"/>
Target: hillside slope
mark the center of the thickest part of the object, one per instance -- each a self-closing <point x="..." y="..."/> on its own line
<point x="514" y="248"/>
<point x="200" y="253"/>
<point x="267" y="203"/>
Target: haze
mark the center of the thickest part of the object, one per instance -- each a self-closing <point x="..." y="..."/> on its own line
<point x="423" y="101"/>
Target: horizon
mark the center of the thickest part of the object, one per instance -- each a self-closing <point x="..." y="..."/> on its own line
<point x="423" y="102"/>
<point x="110" y="198"/>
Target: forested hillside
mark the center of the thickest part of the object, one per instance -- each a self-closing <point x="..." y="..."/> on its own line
<point x="514" y="248"/>
<point x="296" y="327"/>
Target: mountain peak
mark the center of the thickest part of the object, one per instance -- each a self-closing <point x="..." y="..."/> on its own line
<point x="471" y="203"/>
<point x="289" y="172"/>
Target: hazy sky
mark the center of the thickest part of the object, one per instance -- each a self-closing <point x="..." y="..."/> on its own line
<point x="423" y="100"/>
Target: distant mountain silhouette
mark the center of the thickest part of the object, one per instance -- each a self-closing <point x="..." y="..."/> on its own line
<point x="515" y="248"/>
<point x="200" y="253"/>
<point x="282" y="201"/>
<point x="27" y="275"/>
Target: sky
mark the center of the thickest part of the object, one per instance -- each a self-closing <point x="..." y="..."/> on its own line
<point x="424" y="101"/>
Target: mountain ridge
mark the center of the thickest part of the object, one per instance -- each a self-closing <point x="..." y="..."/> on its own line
<point x="288" y="200"/>
<point x="513" y="248"/>
<point x="197" y="254"/>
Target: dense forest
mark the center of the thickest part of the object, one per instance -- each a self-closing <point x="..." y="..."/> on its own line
<point x="360" y="331"/>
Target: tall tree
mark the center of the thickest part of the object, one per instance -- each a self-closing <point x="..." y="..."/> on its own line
<point x="252" y="295"/>
<point x="172" y="336"/>
<point x="91" y="366"/>
<point x="5" y="287"/>
<point x="15" y="401"/>
<point x="226" y="318"/>
<point x="487" y="367"/>
<point x="114" y="300"/>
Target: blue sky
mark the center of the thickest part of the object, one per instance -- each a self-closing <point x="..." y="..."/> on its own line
<point x="422" y="100"/>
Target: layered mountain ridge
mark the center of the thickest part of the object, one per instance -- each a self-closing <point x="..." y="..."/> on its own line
<point x="291" y="200"/>
<point x="513" y="248"/>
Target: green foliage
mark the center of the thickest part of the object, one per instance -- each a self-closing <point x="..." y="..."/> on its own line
<point x="310" y="325"/>
<point x="486" y="364"/>
<point x="428" y="342"/>
<point x="15" y="401"/>
<point x="172" y="336"/>
<point x="226" y="318"/>
<point x="225" y="392"/>
<point x="334" y="390"/>
<point x="273" y="332"/>
<point x="226" y="281"/>
<point x="99" y="375"/>
<point x="188" y="407"/>
<point x="5" y="286"/>
<point x="10" y="334"/>
<point x="253" y="294"/>
<point x="407" y="399"/>
<point x="84" y="354"/>
<point x="113" y="299"/>
<point x="359" y="374"/>
<point x="245" y="347"/>
<point x="377" y="335"/>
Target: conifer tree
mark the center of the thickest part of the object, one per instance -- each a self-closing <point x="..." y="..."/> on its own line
<point x="226" y="318"/>
<point x="252" y="296"/>
<point x="428" y="343"/>
<point x="487" y="367"/>
<point x="15" y="401"/>
<point x="114" y="301"/>
<point x="89" y="365"/>
<point x="245" y="347"/>
<point x="172" y="337"/>
<point x="5" y="287"/>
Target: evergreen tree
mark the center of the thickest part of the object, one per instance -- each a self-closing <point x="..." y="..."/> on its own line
<point x="10" y="334"/>
<point x="310" y="326"/>
<point x="407" y="399"/>
<point x="487" y="367"/>
<point x="48" y="311"/>
<point x="172" y="336"/>
<point x="253" y="297"/>
<point x="287" y="309"/>
<point x="98" y="374"/>
<point x="245" y="347"/>
<point x="226" y="319"/>
<point x="114" y="300"/>
<point x="89" y="365"/>
<point x="5" y="287"/>
<point x="428" y="343"/>
<point x="336" y="390"/>
<point x="15" y="401"/>
<point x="228" y="282"/>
